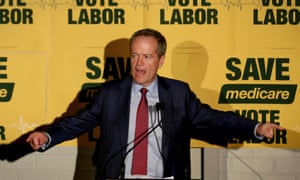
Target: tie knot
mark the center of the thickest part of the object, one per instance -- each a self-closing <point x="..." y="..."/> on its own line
<point x="144" y="91"/>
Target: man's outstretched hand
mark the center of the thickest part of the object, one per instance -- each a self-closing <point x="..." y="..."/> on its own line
<point x="37" y="140"/>
<point x="267" y="130"/>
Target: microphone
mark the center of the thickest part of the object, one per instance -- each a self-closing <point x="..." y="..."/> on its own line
<point x="160" y="106"/>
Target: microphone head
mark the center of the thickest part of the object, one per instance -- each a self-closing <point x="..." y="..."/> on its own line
<point x="160" y="106"/>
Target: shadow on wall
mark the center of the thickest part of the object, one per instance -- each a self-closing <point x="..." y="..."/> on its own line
<point x="116" y="65"/>
<point x="189" y="63"/>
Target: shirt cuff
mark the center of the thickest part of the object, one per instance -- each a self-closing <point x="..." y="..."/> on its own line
<point x="255" y="132"/>
<point x="46" y="145"/>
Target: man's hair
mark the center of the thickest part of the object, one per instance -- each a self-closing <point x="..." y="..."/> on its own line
<point x="161" y="40"/>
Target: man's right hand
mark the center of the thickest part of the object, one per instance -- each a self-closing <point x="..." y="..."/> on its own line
<point x="37" y="140"/>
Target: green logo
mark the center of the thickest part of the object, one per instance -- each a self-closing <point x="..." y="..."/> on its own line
<point x="258" y="93"/>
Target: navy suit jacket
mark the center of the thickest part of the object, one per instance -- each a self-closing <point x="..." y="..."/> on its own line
<point x="183" y="117"/>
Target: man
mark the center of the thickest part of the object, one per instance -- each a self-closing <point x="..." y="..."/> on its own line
<point x="175" y="115"/>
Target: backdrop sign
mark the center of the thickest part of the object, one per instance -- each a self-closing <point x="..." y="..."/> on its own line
<point x="238" y="55"/>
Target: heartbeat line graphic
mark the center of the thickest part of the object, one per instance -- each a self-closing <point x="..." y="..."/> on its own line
<point x="296" y="128"/>
<point x="228" y="4"/>
<point x="52" y="3"/>
<point x="145" y="3"/>
<point x="238" y="3"/>
<point x="23" y="126"/>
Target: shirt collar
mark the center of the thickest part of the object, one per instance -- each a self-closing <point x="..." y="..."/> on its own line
<point x="152" y="88"/>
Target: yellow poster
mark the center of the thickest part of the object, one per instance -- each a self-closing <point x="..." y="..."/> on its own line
<point x="237" y="55"/>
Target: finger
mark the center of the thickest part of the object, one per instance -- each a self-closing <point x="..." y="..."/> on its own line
<point x="35" y="144"/>
<point x="271" y="133"/>
<point x="275" y="126"/>
<point x="34" y="141"/>
<point x="280" y="128"/>
<point x="29" y="139"/>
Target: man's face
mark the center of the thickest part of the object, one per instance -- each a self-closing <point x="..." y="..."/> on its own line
<point x="144" y="60"/>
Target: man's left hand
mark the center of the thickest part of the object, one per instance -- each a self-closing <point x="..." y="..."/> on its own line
<point x="267" y="130"/>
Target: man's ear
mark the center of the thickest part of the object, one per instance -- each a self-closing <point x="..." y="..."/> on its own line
<point x="161" y="61"/>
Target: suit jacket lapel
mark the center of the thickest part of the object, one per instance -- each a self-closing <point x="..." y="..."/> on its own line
<point x="123" y="125"/>
<point x="166" y="99"/>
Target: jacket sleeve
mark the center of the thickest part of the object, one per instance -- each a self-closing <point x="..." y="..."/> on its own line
<point x="215" y="126"/>
<point x="67" y="128"/>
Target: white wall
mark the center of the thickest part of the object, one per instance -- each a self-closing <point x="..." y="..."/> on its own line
<point x="61" y="163"/>
<point x="253" y="164"/>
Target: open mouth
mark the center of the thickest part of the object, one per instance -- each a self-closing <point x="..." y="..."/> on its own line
<point x="140" y="72"/>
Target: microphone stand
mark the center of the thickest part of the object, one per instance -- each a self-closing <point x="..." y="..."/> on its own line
<point x="141" y="137"/>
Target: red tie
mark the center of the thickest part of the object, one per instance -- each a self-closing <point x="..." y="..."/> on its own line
<point x="139" y="161"/>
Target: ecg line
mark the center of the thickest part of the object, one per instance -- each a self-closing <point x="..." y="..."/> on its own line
<point x="238" y="3"/>
<point x="53" y="4"/>
<point x="296" y="128"/>
<point x="23" y="126"/>
<point x="145" y="3"/>
<point x="228" y="4"/>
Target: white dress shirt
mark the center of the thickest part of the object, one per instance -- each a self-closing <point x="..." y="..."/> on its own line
<point x="154" y="160"/>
